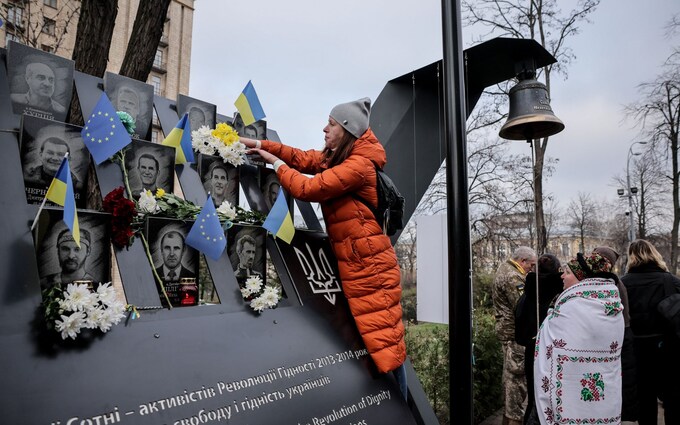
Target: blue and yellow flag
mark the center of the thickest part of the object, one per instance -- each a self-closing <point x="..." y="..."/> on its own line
<point x="61" y="193"/>
<point x="248" y="105"/>
<point x="206" y="234"/>
<point x="279" y="222"/>
<point x="104" y="134"/>
<point x="180" y="139"/>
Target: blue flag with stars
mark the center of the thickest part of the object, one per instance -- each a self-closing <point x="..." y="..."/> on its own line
<point x="104" y="134"/>
<point x="207" y="235"/>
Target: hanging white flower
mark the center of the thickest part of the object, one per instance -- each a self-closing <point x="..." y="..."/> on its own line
<point x="270" y="296"/>
<point x="258" y="304"/>
<point x="77" y="297"/>
<point x="227" y="210"/>
<point x="70" y="325"/>
<point x="253" y="284"/>
<point x="202" y="140"/>
<point x="147" y="202"/>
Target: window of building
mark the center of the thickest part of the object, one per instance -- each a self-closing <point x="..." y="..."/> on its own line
<point x="50" y="3"/>
<point x="158" y="59"/>
<point x="156" y="82"/>
<point x="49" y="26"/>
<point x="15" y="15"/>
<point x="565" y="249"/>
<point x="47" y="48"/>
<point x="11" y="37"/>
<point x="154" y="136"/>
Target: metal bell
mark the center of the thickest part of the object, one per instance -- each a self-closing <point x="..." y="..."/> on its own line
<point x="530" y="116"/>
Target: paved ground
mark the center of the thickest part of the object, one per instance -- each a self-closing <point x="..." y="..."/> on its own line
<point x="497" y="418"/>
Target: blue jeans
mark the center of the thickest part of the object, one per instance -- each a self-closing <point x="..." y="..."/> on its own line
<point x="400" y="376"/>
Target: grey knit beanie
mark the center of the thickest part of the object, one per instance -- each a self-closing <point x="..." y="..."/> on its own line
<point x="353" y="116"/>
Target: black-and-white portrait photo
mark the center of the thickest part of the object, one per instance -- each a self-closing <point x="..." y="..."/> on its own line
<point x="40" y="83"/>
<point x="131" y="96"/>
<point x="43" y="146"/>
<point x="61" y="261"/>
<point x="150" y="166"/>
<point x="256" y="130"/>
<point x="173" y="259"/>
<point x="270" y="186"/>
<point x="200" y="113"/>
<point x="247" y="252"/>
<point x="219" y="178"/>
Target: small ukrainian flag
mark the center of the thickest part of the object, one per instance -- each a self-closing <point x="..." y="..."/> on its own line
<point x="279" y="222"/>
<point x="248" y="105"/>
<point x="180" y="139"/>
<point x="61" y="193"/>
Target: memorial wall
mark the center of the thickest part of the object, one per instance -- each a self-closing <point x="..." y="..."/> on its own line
<point x="261" y="334"/>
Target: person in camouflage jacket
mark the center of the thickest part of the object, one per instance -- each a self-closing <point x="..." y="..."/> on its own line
<point x="507" y="287"/>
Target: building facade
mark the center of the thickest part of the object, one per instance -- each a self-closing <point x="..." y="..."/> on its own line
<point x="51" y="25"/>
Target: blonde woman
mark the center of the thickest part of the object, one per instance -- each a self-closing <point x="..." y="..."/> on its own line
<point x="657" y="349"/>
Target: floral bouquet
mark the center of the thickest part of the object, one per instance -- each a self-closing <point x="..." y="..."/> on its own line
<point x="260" y="296"/>
<point x="222" y="141"/>
<point x="77" y="308"/>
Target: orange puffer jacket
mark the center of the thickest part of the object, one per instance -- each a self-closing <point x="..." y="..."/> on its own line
<point x="368" y="265"/>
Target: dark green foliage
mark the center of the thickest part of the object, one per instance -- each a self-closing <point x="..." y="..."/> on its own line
<point x="488" y="366"/>
<point x="409" y="304"/>
<point x="428" y="348"/>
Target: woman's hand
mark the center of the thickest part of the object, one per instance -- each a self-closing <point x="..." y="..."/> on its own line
<point x="250" y="143"/>
<point x="269" y="158"/>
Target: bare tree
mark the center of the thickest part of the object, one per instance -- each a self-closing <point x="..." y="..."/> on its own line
<point x="406" y="250"/>
<point x="583" y="217"/>
<point x="658" y="114"/>
<point x="36" y="25"/>
<point x="543" y="21"/>
<point x="648" y="176"/>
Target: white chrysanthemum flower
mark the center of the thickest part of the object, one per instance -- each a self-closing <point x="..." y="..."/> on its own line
<point x="106" y="294"/>
<point x="227" y="210"/>
<point x="110" y="317"/>
<point x="270" y="296"/>
<point x="117" y="311"/>
<point x="254" y="283"/>
<point x="94" y="316"/>
<point x="202" y="140"/>
<point x="147" y="202"/>
<point x="70" y="326"/>
<point x="239" y="148"/>
<point x="258" y="304"/>
<point x="77" y="297"/>
<point x="231" y="156"/>
<point x="245" y="292"/>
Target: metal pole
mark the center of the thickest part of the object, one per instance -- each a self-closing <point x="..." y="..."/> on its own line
<point x="458" y="218"/>
<point x="631" y="221"/>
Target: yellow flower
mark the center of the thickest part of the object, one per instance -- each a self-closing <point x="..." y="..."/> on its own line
<point x="160" y="193"/>
<point x="225" y="134"/>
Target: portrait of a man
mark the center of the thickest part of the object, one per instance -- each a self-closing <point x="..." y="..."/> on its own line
<point x="219" y="179"/>
<point x="247" y="252"/>
<point x="200" y="113"/>
<point x="173" y="259"/>
<point x="44" y="144"/>
<point x="150" y="166"/>
<point x="270" y="187"/>
<point x="40" y="82"/>
<point x="131" y="96"/>
<point x="61" y="260"/>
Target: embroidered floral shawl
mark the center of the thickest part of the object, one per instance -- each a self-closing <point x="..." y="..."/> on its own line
<point x="577" y="367"/>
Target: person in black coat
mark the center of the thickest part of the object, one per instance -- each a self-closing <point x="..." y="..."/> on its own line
<point x="549" y="285"/>
<point x="657" y="348"/>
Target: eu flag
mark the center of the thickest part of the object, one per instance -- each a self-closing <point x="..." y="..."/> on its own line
<point x="104" y="134"/>
<point x="248" y="105"/>
<point x="61" y="193"/>
<point x="180" y="139"/>
<point x="279" y="222"/>
<point x="206" y="234"/>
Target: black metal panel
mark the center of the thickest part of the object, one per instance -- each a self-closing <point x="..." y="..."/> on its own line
<point x="20" y="292"/>
<point x="166" y="110"/>
<point x="89" y="89"/>
<point x="406" y="117"/>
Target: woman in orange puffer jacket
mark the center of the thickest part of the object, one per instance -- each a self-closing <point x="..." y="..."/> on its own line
<point x="367" y="263"/>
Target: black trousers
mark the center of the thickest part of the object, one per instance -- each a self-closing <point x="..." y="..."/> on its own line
<point x="657" y="371"/>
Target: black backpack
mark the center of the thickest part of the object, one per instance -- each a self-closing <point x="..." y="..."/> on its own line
<point x="390" y="211"/>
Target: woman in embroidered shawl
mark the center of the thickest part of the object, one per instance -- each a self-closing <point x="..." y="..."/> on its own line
<point x="577" y="367"/>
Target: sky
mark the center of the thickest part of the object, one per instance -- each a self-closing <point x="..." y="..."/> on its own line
<point x="306" y="56"/>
